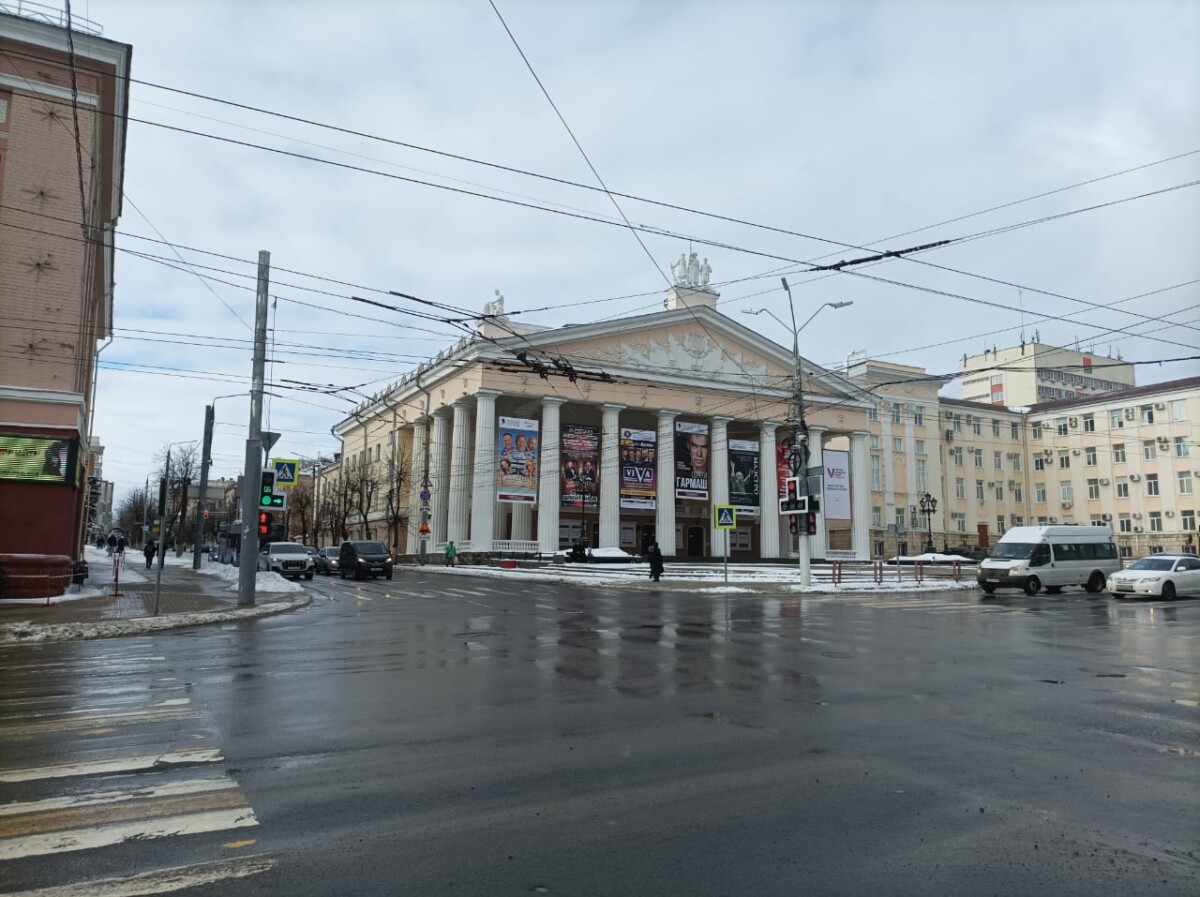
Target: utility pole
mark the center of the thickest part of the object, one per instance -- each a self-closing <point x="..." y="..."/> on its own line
<point x="205" y="461"/>
<point x="798" y="458"/>
<point x="248" y="553"/>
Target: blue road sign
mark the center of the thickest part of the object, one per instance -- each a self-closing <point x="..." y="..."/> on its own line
<point x="285" y="471"/>
<point x="724" y="517"/>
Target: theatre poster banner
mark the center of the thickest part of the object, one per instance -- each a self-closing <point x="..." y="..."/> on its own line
<point x="691" y="461"/>
<point x="744" y="476"/>
<point x="517" y="454"/>
<point x="580" y="460"/>
<point x="639" y="459"/>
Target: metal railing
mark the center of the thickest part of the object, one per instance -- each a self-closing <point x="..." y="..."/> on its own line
<point x="515" y="546"/>
<point x="51" y="15"/>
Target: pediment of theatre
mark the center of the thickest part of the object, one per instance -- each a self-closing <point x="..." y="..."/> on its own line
<point x="706" y="349"/>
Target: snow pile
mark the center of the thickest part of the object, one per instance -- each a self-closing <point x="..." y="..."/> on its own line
<point x="932" y="557"/>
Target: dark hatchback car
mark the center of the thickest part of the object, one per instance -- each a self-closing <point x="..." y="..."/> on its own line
<point x="363" y="559"/>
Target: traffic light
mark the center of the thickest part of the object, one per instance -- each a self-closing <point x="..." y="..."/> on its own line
<point x="810" y="523"/>
<point x="265" y="521"/>
<point x="267" y="496"/>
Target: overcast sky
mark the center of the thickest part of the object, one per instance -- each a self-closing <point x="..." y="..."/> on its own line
<point x="849" y="122"/>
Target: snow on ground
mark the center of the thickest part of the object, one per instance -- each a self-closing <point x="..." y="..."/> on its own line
<point x="100" y="571"/>
<point x="931" y="557"/>
<point x="74" y="593"/>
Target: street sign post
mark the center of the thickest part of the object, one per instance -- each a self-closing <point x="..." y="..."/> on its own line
<point x="287" y="471"/>
<point x="725" y="518"/>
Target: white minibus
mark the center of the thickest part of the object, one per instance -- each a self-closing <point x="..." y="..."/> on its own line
<point x="1033" y="557"/>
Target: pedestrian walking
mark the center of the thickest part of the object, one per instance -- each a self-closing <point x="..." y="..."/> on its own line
<point x="150" y="551"/>
<point x="112" y="543"/>
<point x="656" y="562"/>
<point x="451" y="553"/>
<point x="121" y="545"/>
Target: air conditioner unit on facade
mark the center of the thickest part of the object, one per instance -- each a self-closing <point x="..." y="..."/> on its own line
<point x="1073" y="422"/>
<point x="1137" y="515"/>
<point x="1106" y="517"/>
<point x="1134" y="477"/>
<point x="1130" y="414"/>
<point x="1168" y="513"/>
<point x="1054" y="520"/>
<point x="1137" y="529"/>
<point x="1075" y="452"/>
<point x="949" y="415"/>
<point x="991" y="485"/>
<point x="1067" y="504"/>
<point x="1049" y="453"/>
<point x="1160" y="406"/>
<point x="1103" y="481"/>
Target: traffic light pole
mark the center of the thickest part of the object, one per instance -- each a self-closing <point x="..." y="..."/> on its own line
<point x="252" y="478"/>
<point x="798" y="463"/>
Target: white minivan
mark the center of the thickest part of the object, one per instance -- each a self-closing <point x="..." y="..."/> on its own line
<point x="1033" y="557"/>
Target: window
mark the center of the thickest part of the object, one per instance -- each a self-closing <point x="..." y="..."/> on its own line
<point x="1060" y="426"/>
<point x="1089" y="456"/>
<point x="960" y="487"/>
<point x="1016" y="461"/>
<point x="377" y="448"/>
<point x="1039" y="493"/>
<point x="998" y="460"/>
<point x="1148" y="451"/>
<point x="1126" y="551"/>
<point x="979" y="490"/>
<point x="1118" y="451"/>
<point x="962" y="525"/>
<point x="1185" y="482"/>
<point x="876" y="478"/>
<point x="1187" y="520"/>
<point x="1152" y="484"/>
<point x="1156" y="522"/>
<point x="1018" y="520"/>
<point x="1122" y="487"/>
<point x="1015" y="430"/>
<point x="958" y="423"/>
<point x="1089" y="423"/>
<point x="919" y="416"/>
<point x="1042" y="521"/>
<point x="900" y="518"/>
<point x="896" y="418"/>
<point x="1039" y="463"/>
<point x="876" y="517"/>
<point x="995" y="428"/>
<point x="1181" y="447"/>
<point x="1037" y="429"/>
<point x="979" y="458"/>
<point x="1124" y="524"/>
<point x="873" y="413"/>
<point x="921" y="475"/>
<point x="920" y="446"/>
<point x="1147" y="414"/>
<point x="958" y="462"/>
<point x="1017" y="496"/>
<point x="1000" y="524"/>
<point x="897" y="444"/>
<point x="1093" y="490"/>
<point x="1064" y="459"/>
<point x="874" y="443"/>
<point x="999" y="491"/>
<point x="1178" y="409"/>
<point x="1065" y="491"/>
<point x="1116" y="420"/>
<point x="977" y="426"/>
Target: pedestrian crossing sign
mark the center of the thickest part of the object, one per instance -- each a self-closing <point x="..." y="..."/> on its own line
<point x="286" y="470"/>
<point x="724" y="517"/>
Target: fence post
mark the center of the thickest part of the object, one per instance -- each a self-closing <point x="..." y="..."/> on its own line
<point x="117" y="558"/>
<point x="837" y="572"/>
<point x="958" y="571"/>
<point x="877" y="570"/>
<point x="919" y="571"/>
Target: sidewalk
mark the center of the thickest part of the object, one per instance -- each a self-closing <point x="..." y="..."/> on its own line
<point x="186" y="598"/>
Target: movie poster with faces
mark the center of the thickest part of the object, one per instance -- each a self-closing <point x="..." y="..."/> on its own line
<point x="517" y="460"/>
<point x="743" y="476"/>
<point x="691" y="461"/>
<point x="639" y="460"/>
<point x="580" y="466"/>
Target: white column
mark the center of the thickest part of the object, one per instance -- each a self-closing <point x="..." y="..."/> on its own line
<point x="549" y="486"/>
<point x="768" y="491"/>
<point x="819" y="544"/>
<point x="664" y="518"/>
<point x="483" y="502"/>
<point x="522" y="522"/>
<point x="439" y="474"/>
<point x="860" y="495"/>
<point x="500" y="520"/>
<point x="416" y="475"/>
<point x="610" y="477"/>
<point x="718" y="477"/>
<point x="460" y="474"/>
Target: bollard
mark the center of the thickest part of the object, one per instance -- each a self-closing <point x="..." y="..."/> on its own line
<point x="919" y="571"/>
<point x="837" y="572"/>
<point x="117" y="558"/>
<point x="877" y="570"/>
<point x="958" y="571"/>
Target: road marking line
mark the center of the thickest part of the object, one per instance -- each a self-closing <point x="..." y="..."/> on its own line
<point x="126" y="718"/>
<point x="108" y="835"/>
<point x="173" y="789"/>
<point x="161" y="881"/>
<point x="246" y="843"/>
<point x="78" y="818"/>
<point x="118" y="764"/>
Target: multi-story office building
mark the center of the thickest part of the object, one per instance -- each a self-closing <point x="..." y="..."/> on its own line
<point x="1020" y="376"/>
<point x="62" y="157"/>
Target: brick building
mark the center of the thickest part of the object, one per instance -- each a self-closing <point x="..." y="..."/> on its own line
<point x="60" y="198"/>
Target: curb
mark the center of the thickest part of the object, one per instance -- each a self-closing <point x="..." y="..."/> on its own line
<point x="24" y="633"/>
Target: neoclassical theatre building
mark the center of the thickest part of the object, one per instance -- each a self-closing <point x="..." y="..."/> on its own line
<point x="620" y="433"/>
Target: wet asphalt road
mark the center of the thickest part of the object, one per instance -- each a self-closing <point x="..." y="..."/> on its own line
<point x="438" y="735"/>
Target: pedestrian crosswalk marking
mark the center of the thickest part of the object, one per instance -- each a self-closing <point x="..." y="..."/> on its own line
<point x="161" y="881"/>
<point x="171" y="789"/>
<point x="131" y="717"/>
<point x="117" y="764"/>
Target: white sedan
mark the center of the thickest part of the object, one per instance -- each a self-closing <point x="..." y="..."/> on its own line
<point x="1162" y="575"/>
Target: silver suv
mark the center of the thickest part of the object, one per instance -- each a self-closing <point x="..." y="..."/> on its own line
<point x="286" y="559"/>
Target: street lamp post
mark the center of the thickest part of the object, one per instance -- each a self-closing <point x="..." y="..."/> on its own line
<point x="928" y="507"/>
<point x="798" y="461"/>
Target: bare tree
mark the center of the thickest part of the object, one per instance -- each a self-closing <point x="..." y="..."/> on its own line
<point x="131" y="513"/>
<point x="300" y="508"/>
<point x="362" y="484"/>
<point x="183" y="469"/>
<point x="336" y="505"/>
<point x="398" y="475"/>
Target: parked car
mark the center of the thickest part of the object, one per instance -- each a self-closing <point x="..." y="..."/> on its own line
<point x="330" y="555"/>
<point x="1163" y="575"/>
<point x="286" y="559"/>
<point x="1030" y="557"/>
<point x="315" y="553"/>
<point x="361" y="559"/>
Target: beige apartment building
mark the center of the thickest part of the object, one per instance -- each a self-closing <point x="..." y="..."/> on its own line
<point x="1024" y="375"/>
<point x="60" y="198"/>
